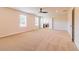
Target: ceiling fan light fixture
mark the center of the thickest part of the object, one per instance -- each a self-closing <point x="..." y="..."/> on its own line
<point x="41" y="11"/>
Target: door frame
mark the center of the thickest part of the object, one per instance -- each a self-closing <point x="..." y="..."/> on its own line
<point x="73" y="18"/>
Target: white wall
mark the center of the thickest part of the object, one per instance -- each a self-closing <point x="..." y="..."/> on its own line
<point x="70" y="22"/>
<point x="50" y="23"/>
<point x="60" y="25"/>
<point x="77" y="27"/>
<point x="9" y="22"/>
<point x="60" y="22"/>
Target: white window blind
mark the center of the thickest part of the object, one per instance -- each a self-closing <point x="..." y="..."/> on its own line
<point x="23" y="21"/>
<point x="36" y="21"/>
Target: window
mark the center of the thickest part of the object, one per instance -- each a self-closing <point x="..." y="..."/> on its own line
<point x="23" y="21"/>
<point x="36" y="21"/>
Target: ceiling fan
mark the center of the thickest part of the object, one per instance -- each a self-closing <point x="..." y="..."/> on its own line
<point x="41" y="11"/>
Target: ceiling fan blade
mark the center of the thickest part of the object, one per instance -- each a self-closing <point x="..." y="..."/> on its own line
<point x="44" y="12"/>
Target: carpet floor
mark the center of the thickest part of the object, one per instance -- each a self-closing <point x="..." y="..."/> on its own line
<point x="39" y="40"/>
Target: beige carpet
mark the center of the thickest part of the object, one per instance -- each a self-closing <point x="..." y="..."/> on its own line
<point x="39" y="40"/>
